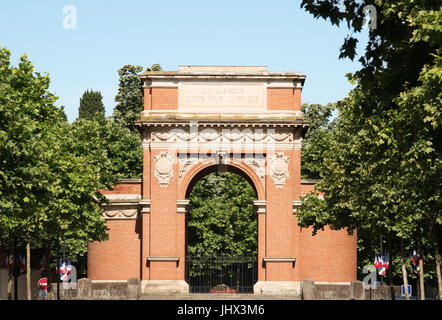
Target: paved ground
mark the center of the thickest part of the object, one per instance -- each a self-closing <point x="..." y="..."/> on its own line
<point x="214" y="296"/>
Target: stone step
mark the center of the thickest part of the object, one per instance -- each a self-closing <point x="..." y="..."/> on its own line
<point x="219" y="296"/>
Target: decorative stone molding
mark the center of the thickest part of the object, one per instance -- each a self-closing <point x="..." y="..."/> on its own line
<point x="260" y="206"/>
<point x="121" y="206"/>
<point x="215" y="136"/>
<point x="120" y="212"/>
<point x="257" y="163"/>
<point x="182" y="206"/>
<point x="279" y="169"/>
<point x="186" y="163"/>
<point x="163" y="168"/>
<point x="296" y="205"/>
<point x="236" y="134"/>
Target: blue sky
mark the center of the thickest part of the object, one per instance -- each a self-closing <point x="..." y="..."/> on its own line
<point x="110" y="34"/>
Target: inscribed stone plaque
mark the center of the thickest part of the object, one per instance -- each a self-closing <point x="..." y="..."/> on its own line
<point x="222" y="96"/>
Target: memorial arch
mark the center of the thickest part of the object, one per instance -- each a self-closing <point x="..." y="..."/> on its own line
<point x="199" y="120"/>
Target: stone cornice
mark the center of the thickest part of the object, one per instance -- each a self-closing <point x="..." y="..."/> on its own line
<point x="213" y="75"/>
<point x="215" y="124"/>
<point x="256" y="118"/>
<point x="224" y="74"/>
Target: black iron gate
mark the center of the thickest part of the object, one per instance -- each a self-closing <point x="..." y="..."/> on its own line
<point x="223" y="274"/>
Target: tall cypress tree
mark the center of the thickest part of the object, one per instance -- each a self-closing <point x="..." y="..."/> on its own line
<point x="91" y="105"/>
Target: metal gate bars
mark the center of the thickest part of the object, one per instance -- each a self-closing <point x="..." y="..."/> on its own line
<point x="223" y="274"/>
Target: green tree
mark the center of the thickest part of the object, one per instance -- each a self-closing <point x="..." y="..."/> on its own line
<point x="124" y="143"/>
<point x="91" y="105"/>
<point x="317" y="139"/>
<point x="51" y="170"/>
<point x="130" y="95"/>
<point x="155" y="67"/>
<point x="26" y="111"/>
<point x="382" y="174"/>
<point x="124" y="149"/>
<point x="129" y="98"/>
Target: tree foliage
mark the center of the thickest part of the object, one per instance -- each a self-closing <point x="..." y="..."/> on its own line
<point x="91" y="105"/>
<point x="317" y="139"/>
<point x="50" y="170"/>
<point x="130" y="95"/>
<point x="123" y="141"/>
<point x="222" y="219"/>
<point x="124" y="149"/>
<point x="382" y="174"/>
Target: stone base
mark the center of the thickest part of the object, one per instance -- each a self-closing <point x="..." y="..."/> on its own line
<point x="164" y="286"/>
<point x="277" y="287"/>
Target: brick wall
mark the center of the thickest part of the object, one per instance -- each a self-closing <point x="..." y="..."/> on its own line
<point x="163" y="226"/>
<point x="330" y="255"/>
<point x="119" y="257"/>
<point x="281" y="235"/>
<point x="284" y="99"/>
<point x="164" y="98"/>
<point x="124" y="188"/>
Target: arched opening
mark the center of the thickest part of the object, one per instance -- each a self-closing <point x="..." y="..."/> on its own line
<point x="221" y="231"/>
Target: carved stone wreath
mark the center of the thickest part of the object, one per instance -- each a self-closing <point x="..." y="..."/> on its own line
<point x="163" y="168"/>
<point x="279" y="169"/>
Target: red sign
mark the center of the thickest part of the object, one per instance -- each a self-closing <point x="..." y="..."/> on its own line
<point x="43" y="283"/>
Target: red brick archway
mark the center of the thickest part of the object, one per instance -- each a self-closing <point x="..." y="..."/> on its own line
<point x="251" y="121"/>
<point x="239" y="167"/>
<point x="208" y="166"/>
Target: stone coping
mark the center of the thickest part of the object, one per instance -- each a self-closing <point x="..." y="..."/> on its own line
<point x="268" y="259"/>
<point x="123" y="197"/>
<point x="163" y="258"/>
<point x="130" y="181"/>
<point x="310" y="181"/>
<point x="223" y="72"/>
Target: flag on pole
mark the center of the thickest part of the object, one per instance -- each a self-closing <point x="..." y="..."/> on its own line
<point x="62" y="270"/>
<point x="382" y="271"/>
